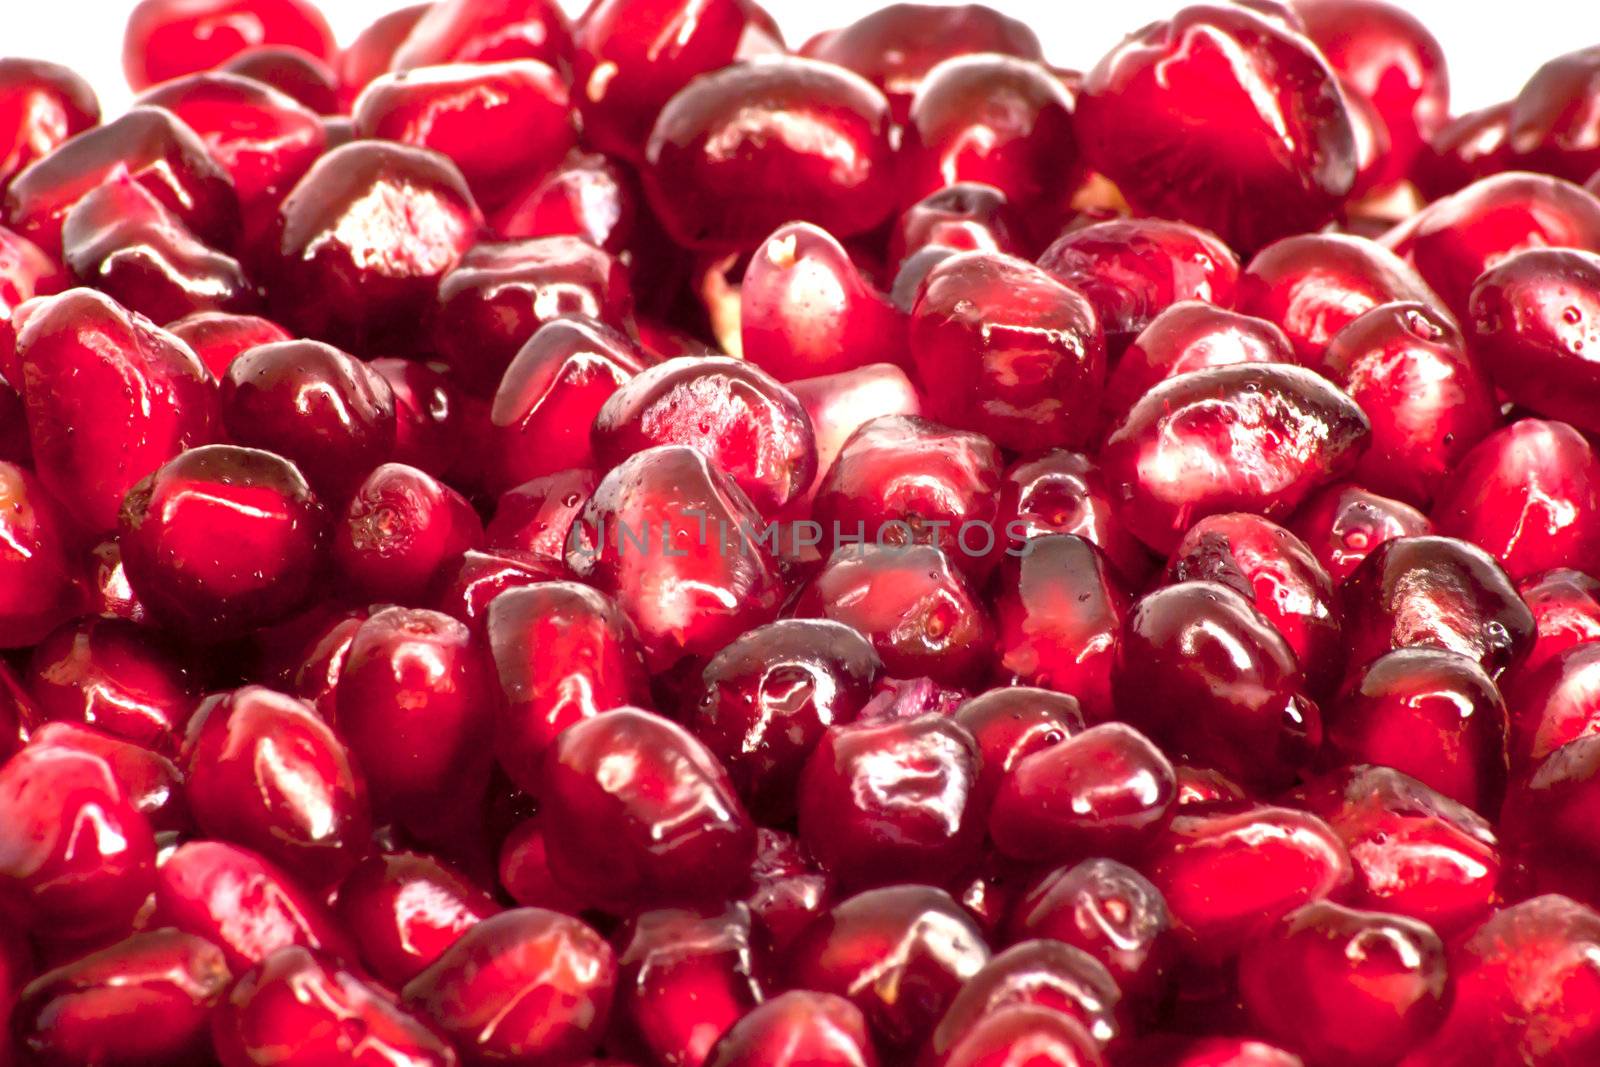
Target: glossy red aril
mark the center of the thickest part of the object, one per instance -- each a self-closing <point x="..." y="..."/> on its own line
<point x="741" y="151"/>
<point x="146" y="999"/>
<point x="1045" y="974"/>
<point x="400" y="530"/>
<point x="787" y="890"/>
<point x="587" y="195"/>
<point x="673" y="541"/>
<point x="1435" y="591"/>
<point x="77" y="855"/>
<point x="37" y="592"/>
<point x="900" y="954"/>
<point x="1566" y="611"/>
<point x="1011" y="723"/>
<point x="262" y="138"/>
<point x="223" y="539"/>
<point x="1244" y="437"/>
<point x="1206" y="675"/>
<point x="797" y="1029"/>
<point x="739" y="417"/>
<point x="430" y="419"/>
<point x="1103" y="791"/>
<point x="1524" y="981"/>
<point x="1062" y="492"/>
<point x="503" y="291"/>
<point x="298" y="1007"/>
<point x="524" y="870"/>
<point x="466" y="587"/>
<point x="537" y="515"/>
<point x="115" y="676"/>
<point x="1222" y="117"/>
<point x="1454" y="240"/>
<point x="684" y="979"/>
<point x="1004" y="349"/>
<point x="169" y="38"/>
<point x="1548" y="819"/>
<point x="297" y="74"/>
<point x="311" y="664"/>
<point x="839" y="404"/>
<point x="361" y="242"/>
<point x="676" y="828"/>
<point x="1284" y="581"/>
<point x="451" y="109"/>
<point x="1346" y="986"/>
<point x="1109" y="911"/>
<point x="152" y="782"/>
<point x="963" y="217"/>
<point x="805" y="309"/>
<point x="892" y="801"/>
<point x="242" y="903"/>
<point x="147" y="145"/>
<point x="1551" y="124"/>
<point x="1431" y="713"/>
<point x="766" y="700"/>
<point x="1470" y="146"/>
<point x="1133" y="269"/>
<point x="41" y="105"/>
<point x="25" y="272"/>
<point x="416" y="706"/>
<point x="1344" y="523"/>
<point x="331" y="414"/>
<point x="484" y="31"/>
<point x="989" y="118"/>
<point x="1554" y="703"/>
<point x="264" y="771"/>
<point x="921" y="614"/>
<point x="1415" y="852"/>
<point x="404" y="909"/>
<point x="109" y="398"/>
<point x="372" y="51"/>
<point x="219" y="337"/>
<point x="564" y="653"/>
<point x="1535" y="319"/>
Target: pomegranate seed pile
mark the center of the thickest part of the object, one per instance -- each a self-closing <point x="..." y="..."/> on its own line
<point x="620" y="542"/>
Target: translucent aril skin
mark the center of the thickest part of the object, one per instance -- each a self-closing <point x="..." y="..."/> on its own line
<point x="722" y="176"/>
<point x="296" y="74"/>
<point x="1011" y="723"/>
<point x="587" y="195"/>
<point x="1566" y="612"/>
<point x="1471" y="146"/>
<point x="460" y="31"/>
<point x="1222" y="117"/>
<point x="400" y="532"/>
<point x="1343" y="523"/>
<point x="1026" y="369"/>
<point x="39" y="591"/>
<point x="1553" y="703"/>
<point x="1044" y="974"/>
<point x="794" y="1028"/>
<point x="961" y="217"/>
<point x="1244" y="437"/>
<point x="372" y="51"/>
<point x="41" y="105"/>
<point x="169" y="38"/>
<point x="537" y="515"/>
<point x="404" y="909"/>
<point x="152" y="782"/>
<point x="1549" y="128"/>
<point x="219" y="337"/>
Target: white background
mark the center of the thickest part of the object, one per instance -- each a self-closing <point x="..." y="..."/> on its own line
<point x="1492" y="47"/>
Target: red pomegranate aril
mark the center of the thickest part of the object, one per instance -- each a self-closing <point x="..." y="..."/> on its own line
<point x="295" y="73"/>
<point x="1548" y="820"/>
<point x="797" y="1029"/>
<point x="41" y="106"/>
<point x="741" y="151"/>
<point x="524" y="871"/>
<point x="262" y="138"/>
<point x="1222" y="117"/>
<point x="806" y="310"/>
<point x="787" y="890"/>
<point x="399" y="532"/>
<point x="310" y="668"/>
<point x="502" y="292"/>
<point x="1003" y="348"/>
<point x="143" y="1000"/>
<point x="219" y="337"/>
<point x="673" y="541"/>
<point x="587" y="195"/>
<point x="361" y="242"/>
<point x="1566" y="611"/>
<point x="76" y="854"/>
<point x="1435" y="591"/>
<point x="1133" y="269"/>
<point x="1553" y="703"/>
<point x="1011" y="723"/>
<point x="1023" y="1030"/>
<point x="146" y="144"/>
<point x="1204" y="673"/>
<point x="892" y="801"/>
<point x="115" y="676"/>
<point x="1550" y="126"/>
<point x="466" y="587"/>
<point x="963" y="217"/>
<point x="264" y="771"/>
<point x="676" y="829"/>
<point x="766" y="700"/>
<point x="1244" y="437"/>
<point x="1470" y="146"/>
<point x="499" y="122"/>
<point x="1062" y="492"/>
<point x="1044" y="974"/>
<point x="404" y="909"/>
<point x="223" y="539"/>
<point x="151" y="781"/>
<point x="372" y="51"/>
<point x="26" y="271"/>
<point x="1212" y="1052"/>
<point x="243" y="904"/>
<point x="1346" y="986"/>
<point x="994" y="119"/>
<point x="1284" y="581"/>
<point x="428" y="429"/>
<point x="325" y="410"/>
<point x="563" y="653"/>
<point x="1109" y="911"/>
<point x="169" y="38"/>
<point x="416" y="707"/>
<point x="537" y="515"/>
<point x="684" y="979"/>
<point x="484" y="31"/>
<point x="1535" y="320"/>
<point x="1344" y="523"/>
<point x="839" y="404"/>
<point x="525" y="986"/>
<point x="37" y="592"/>
<point x="109" y="398"/>
<point x="900" y="954"/>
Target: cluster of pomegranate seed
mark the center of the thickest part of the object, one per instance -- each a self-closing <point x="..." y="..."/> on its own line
<point x="617" y="542"/>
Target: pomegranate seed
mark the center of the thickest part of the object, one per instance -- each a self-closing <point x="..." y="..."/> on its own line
<point x="115" y="676"/>
<point x="963" y="217"/>
<point x="1012" y="723"/>
<point x="372" y="51"/>
<point x="587" y="195"/>
<point x="1344" y="523"/>
<point x="1547" y="132"/>
<point x="296" y="74"/>
<point x="797" y="1027"/>
<point x="1470" y="146"/>
<point x="484" y="31"/>
<point x="219" y="337"/>
<point x="151" y="781"/>
<point x="41" y="106"/>
<point x="169" y="38"/>
<point x="404" y="909"/>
